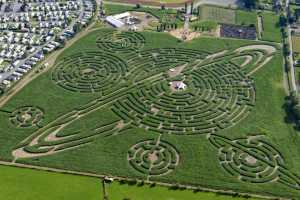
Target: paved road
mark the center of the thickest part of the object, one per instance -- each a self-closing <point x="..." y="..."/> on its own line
<point x="290" y="57"/>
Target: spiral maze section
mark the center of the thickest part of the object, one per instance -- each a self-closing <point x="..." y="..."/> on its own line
<point x="153" y="158"/>
<point x="253" y="160"/>
<point x="89" y="72"/>
<point x="26" y="117"/>
<point x="120" y="42"/>
<point x="218" y="96"/>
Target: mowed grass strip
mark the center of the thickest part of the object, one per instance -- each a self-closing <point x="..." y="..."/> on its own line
<point x="28" y="184"/>
<point x="117" y="191"/>
<point x="220" y="15"/>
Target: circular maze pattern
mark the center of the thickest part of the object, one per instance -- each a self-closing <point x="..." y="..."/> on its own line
<point x="27" y="116"/>
<point x="122" y="42"/>
<point x="218" y="96"/>
<point x="89" y="72"/>
<point x="153" y="158"/>
<point x="250" y="160"/>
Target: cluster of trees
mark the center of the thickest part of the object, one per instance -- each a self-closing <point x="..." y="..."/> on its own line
<point x="292" y="107"/>
<point x="250" y="4"/>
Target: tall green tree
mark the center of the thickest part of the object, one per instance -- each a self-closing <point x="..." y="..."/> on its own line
<point x="250" y="4"/>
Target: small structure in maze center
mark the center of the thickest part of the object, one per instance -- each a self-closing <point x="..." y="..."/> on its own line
<point x="177" y="85"/>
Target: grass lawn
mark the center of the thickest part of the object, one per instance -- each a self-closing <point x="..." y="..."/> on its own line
<point x="296" y="44"/>
<point x="271" y="29"/>
<point x="28" y="184"/>
<point x="246" y="18"/>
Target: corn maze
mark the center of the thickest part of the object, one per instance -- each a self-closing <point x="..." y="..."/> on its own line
<point x="253" y="160"/>
<point x="169" y="91"/>
<point x="89" y="72"/>
<point x="122" y="42"/>
<point x="153" y="157"/>
<point x="219" y="96"/>
<point x="27" y="116"/>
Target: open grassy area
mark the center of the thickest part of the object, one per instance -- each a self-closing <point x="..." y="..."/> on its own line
<point x="107" y="107"/>
<point x="246" y="18"/>
<point x="296" y="42"/>
<point x="28" y="184"/>
<point x="271" y="29"/>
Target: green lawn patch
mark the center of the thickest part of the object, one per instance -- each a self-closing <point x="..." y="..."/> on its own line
<point x="28" y="184"/>
<point x="246" y="18"/>
<point x="271" y="28"/>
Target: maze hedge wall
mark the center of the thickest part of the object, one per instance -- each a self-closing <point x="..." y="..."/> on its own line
<point x="111" y="105"/>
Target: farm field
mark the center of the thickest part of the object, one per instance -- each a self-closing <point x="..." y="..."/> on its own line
<point x="112" y="105"/>
<point x="217" y="14"/>
<point x="153" y="2"/>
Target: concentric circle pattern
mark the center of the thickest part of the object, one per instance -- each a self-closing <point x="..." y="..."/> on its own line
<point x="249" y="160"/>
<point x="89" y="72"/>
<point x="123" y="42"/>
<point x="27" y="116"/>
<point x="153" y="158"/>
<point x="217" y="96"/>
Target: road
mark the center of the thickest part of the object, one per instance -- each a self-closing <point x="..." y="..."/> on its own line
<point x="39" y="48"/>
<point x="290" y="57"/>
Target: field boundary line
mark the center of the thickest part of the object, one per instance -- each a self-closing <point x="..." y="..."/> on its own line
<point x="119" y="178"/>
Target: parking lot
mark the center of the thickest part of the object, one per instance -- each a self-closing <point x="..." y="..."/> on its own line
<point x="31" y="29"/>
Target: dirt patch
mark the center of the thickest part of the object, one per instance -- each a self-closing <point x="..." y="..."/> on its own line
<point x="154" y="110"/>
<point x="182" y="34"/>
<point x="176" y="71"/>
<point x="251" y="160"/>
<point x="153" y="157"/>
<point x="26" y="116"/>
<point x="120" y="125"/>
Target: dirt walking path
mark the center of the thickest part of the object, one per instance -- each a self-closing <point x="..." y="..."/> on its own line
<point x="49" y="59"/>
